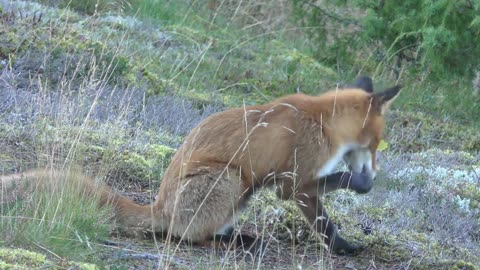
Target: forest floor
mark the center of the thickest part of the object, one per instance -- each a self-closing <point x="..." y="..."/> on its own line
<point x="114" y="96"/>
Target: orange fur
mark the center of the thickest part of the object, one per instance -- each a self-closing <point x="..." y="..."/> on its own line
<point x="230" y="154"/>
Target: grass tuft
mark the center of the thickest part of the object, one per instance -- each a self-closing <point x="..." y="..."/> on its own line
<point x="54" y="213"/>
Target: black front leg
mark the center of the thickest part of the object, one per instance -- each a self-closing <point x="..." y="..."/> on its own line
<point x="316" y="215"/>
<point x="308" y="201"/>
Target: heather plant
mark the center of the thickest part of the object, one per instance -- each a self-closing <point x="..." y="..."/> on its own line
<point x="90" y="7"/>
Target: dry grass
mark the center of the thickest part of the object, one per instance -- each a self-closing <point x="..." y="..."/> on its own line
<point x="64" y="106"/>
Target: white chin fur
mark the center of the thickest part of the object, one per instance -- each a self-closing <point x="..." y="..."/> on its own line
<point x="354" y="155"/>
<point x="334" y="160"/>
<point x="359" y="158"/>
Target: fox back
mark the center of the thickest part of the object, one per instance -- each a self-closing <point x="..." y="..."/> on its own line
<point x="308" y="135"/>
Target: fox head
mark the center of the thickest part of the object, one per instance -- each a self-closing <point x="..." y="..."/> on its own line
<point x="370" y="109"/>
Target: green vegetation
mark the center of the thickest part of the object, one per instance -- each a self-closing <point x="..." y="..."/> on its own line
<point x="420" y="131"/>
<point x="57" y="214"/>
<point x="429" y="46"/>
<point x="410" y="32"/>
<point x="20" y="259"/>
<point x="113" y="86"/>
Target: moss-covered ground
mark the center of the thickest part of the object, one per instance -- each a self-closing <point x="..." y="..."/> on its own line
<point x="114" y="94"/>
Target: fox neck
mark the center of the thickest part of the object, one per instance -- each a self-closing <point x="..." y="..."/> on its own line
<point x="335" y="158"/>
<point x="358" y="158"/>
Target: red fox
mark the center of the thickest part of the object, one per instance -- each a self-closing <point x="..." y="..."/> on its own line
<point x="293" y="143"/>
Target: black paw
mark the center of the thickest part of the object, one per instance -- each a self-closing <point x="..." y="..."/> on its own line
<point x="252" y="245"/>
<point x="342" y="247"/>
<point x="351" y="250"/>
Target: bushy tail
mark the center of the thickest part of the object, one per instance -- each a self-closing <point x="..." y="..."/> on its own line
<point x="129" y="215"/>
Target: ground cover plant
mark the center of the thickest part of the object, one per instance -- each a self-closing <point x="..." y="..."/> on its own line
<point x="110" y="88"/>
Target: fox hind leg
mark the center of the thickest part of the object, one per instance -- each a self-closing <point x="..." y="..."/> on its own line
<point x="205" y="203"/>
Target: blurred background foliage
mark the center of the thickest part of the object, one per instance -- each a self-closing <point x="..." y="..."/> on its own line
<point x="431" y="37"/>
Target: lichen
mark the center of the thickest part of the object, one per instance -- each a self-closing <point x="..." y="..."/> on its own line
<point x="463" y="265"/>
<point x="17" y="258"/>
<point x="21" y="258"/>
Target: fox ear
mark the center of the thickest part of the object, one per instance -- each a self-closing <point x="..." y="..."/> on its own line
<point x="382" y="100"/>
<point x="365" y="83"/>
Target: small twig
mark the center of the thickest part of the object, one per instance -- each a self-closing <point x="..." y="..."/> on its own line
<point x="437" y="140"/>
<point x="47" y="250"/>
<point x="475" y="172"/>
<point x="150" y="256"/>
<point x="125" y="253"/>
<point x="114" y="243"/>
<point x="143" y="256"/>
<point x="334" y="16"/>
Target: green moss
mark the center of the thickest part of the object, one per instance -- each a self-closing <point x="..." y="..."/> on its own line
<point x="10" y="42"/>
<point x="416" y="131"/>
<point x="134" y="167"/>
<point x="83" y="266"/>
<point x="157" y="84"/>
<point x="21" y="259"/>
<point x="282" y="217"/>
<point x="298" y="63"/>
<point x="73" y="54"/>
<point x="463" y="265"/>
<point x="160" y="151"/>
<point x="469" y="191"/>
<point x="145" y="167"/>
<point x="198" y="97"/>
